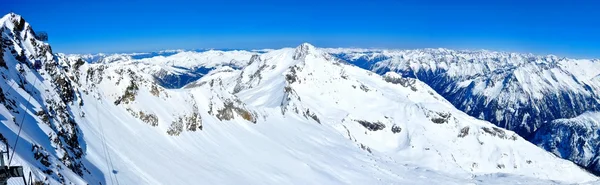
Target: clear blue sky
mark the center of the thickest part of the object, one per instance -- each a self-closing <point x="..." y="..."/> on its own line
<point x="568" y="28"/>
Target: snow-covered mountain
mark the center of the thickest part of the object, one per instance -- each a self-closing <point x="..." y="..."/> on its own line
<point x="519" y="92"/>
<point x="42" y="103"/>
<point x="288" y="116"/>
<point x="176" y="68"/>
<point x="576" y="139"/>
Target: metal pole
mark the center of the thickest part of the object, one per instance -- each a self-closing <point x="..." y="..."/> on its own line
<point x="2" y="164"/>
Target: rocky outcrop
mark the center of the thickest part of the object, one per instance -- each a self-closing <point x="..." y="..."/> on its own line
<point x="47" y="82"/>
<point x="229" y="111"/>
<point x="372" y="126"/>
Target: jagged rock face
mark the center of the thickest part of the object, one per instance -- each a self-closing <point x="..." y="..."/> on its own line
<point x="397" y="79"/>
<point x="32" y="73"/>
<point x="302" y="50"/>
<point x="372" y="126"/>
<point x="135" y="90"/>
<point x="576" y="139"/>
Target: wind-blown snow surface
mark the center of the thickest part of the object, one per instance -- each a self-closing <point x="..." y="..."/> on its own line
<point x="288" y="116"/>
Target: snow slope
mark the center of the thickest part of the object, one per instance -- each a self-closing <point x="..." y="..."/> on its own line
<point x="288" y="116"/>
<point x="519" y="92"/>
<point x="281" y="120"/>
<point x="431" y="132"/>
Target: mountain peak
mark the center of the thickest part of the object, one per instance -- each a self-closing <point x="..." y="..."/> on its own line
<point x="302" y="50"/>
<point x="11" y="15"/>
<point x="306" y="45"/>
<point x="13" y="18"/>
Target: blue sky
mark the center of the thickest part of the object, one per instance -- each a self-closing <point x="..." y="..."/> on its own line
<point x="567" y="28"/>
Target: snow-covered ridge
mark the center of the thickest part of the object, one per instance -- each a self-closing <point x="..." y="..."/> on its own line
<point x="174" y="68"/>
<point x="306" y="82"/>
<point x="520" y="92"/>
<point x="516" y="91"/>
<point x="288" y="116"/>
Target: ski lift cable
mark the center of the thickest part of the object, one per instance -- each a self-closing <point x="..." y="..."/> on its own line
<point x="108" y="158"/>
<point x="105" y="150"/>
<point x="109" y="162"/>
<point x="105" y="146"/>
<point x="20" y="127"/>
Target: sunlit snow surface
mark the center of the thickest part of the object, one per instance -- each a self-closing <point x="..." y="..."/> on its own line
<point x="317" y="121"/>
<point x="291" y="148"/>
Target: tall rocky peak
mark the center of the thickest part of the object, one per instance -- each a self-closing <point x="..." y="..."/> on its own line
<point x="253" y="59"/>
<point x="20" y="40"/>
<point x="302" y="50"/>
<point x="31" y="73"/>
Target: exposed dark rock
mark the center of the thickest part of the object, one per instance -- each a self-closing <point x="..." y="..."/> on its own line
<point x="364" y="88"/>
<point x="149" y="118"/>
<point x="191" y="122"/>
<point x="494" y="131"/>
<point x="396" y="129"/>
<point x="78" y="64"/>
<point x="439" y="117"/>
<point x="2" y="97"/>
<point x="464" y="131"/>
<point x="365" y="147"/>
<point x="41" y="155"/>
<point x="19" y="25"/>
<point x="129" y="95"/>
<point x="372" y="126"/>
<point x="406" y="82"/>
<point x="302" y="50"/>
<point x="176" y="127"/>
<point x="291" y="76"/>
<point x="3" y="139"/>
<point x="154" y="90"/>
<point x="2" y="62"/>
<point x="65" y="88"/>
<point x="312" y="115"/>
<point x="94" y="75"/>
<point x="227" y="113"/>
<point x="44" y="116"/>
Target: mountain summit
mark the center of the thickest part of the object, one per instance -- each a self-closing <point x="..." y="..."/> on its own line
<point x="302" y="50"/>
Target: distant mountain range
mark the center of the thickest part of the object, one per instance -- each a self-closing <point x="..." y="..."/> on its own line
<point x="302" y="115"/>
